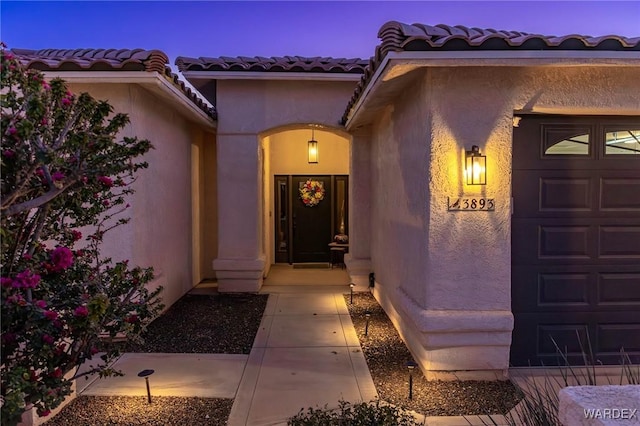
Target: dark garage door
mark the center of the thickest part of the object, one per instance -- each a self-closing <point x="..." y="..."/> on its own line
<point x="576" y="238"/>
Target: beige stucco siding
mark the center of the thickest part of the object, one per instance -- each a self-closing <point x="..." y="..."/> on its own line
<point x="448" y="275"/>
<point x="400" y="194"/>
<point x="258" y="106"/>
<point x="160" y="231"/>
<point x="251" y="112"/>
<point x="210" y="211"/>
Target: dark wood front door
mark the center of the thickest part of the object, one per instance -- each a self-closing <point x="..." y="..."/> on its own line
<point x="576" y="239"/>
<point x="311" y="227"/>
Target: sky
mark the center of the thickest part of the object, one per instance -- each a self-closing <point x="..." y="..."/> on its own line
<point x="305" y="28"/>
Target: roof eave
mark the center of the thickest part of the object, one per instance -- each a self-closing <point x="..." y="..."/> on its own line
<point x="267" y="75"/>
<point x="389" y="67"/>
<point x="154" y="81"/>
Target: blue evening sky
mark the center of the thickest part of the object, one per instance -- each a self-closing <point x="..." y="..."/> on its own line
<point x="305" y="28"/>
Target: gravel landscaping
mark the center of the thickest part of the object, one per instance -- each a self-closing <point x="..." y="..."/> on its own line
<point x="216" y="324"/>
<point x="229" y="323"/>
<point x="387" y="358"/>
<point x="133" y="410"/>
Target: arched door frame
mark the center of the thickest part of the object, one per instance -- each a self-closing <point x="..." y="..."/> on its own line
<point x="268" y="221"/>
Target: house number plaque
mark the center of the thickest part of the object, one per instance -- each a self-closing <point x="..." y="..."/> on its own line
<point x="472" y="204"/>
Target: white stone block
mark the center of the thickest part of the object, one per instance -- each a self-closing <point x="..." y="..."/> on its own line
<point x="600" y="405"/>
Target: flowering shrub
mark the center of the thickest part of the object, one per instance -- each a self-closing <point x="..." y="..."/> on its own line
<point x="311" y="192"/>
<point x="62" y="171"/>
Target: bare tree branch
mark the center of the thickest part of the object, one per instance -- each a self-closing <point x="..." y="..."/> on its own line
<point x="36" y="202"/>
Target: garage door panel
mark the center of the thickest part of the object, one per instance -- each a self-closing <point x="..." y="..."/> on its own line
<point x="580" y="240"/>
<point x="612" y="337"/>
<point x="551" y="290"/>
<point x="571" y="288"/>
<point x="620" y="194"/>
<point x="534" y="336"/>
<point x="536" y="241"/>
<point x="563" y="290"/>
<point x="565" y="194"/>
<point x="563" y="242"/>
<point x="550" y="194"/>
<point x="619" y="242"/>
<point x="618" y="289"/>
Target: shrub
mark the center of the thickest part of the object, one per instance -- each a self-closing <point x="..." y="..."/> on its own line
<point x="360" y="414"/>
<point x="63" y="174"/>
<point x="540" y="404"/>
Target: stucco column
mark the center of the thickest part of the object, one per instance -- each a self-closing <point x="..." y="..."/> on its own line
<point x="358" y="260"/>
<point x="465" y="319"/>
<point x="239" y="264"/>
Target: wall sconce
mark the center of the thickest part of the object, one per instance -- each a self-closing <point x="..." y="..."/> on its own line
<point x="475" y="167"/>
<point x="313" y="149"/>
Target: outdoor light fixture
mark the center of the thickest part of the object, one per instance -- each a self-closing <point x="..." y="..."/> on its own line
<point x="146" y="374"/>
<point x="475" y="168"/>
<point x="367" y="315"/>
<point x="313" y="149"/>
<point x="411" y="366"/>
<point x="352" y="285"/>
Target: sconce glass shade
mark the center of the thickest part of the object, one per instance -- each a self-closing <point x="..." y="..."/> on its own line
<point x="313" y="151"/>
<point x="475" y="167"/>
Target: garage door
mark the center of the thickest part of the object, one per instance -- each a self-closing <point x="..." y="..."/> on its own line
<point x="576" y="238"/>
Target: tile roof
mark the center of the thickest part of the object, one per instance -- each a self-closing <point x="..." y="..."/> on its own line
<point x="273" y="64"/>
<point x="109" y="60"/>
<point x="397" y="37"/>
<point x="93" y="59"/>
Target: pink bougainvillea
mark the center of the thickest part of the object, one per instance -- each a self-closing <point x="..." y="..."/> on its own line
<point x="56" y="176"/>
<point x="50" y="315"/>
<point x="61" y="258"/>
<point x="106" y="181"/>
<point x="81" y="311"/>
<point x="26" y="279"/>
<point x="61" y="158"/>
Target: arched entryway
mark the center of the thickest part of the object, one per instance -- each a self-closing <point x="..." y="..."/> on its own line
<point x="305" y="200"/>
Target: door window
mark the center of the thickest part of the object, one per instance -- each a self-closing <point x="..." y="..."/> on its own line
<point x="622" y="142"/>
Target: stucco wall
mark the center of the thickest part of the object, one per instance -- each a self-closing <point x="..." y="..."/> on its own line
<point x="448" y="274"/>
<point x="400" y="193"/>
<point x="289" y="153"/>
<point x="249" y="112"/>
<point x="160" y="232"/>
<point x="210" y="213"/>
<point x="258" y="106"/>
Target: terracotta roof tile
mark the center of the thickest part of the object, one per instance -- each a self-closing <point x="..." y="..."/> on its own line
<point x="93" y="59"/>
<point x="273" y="64"/>
<point x="108" y="60"/>
<point x="193" y="96"/>
<point x="397" y="37"/>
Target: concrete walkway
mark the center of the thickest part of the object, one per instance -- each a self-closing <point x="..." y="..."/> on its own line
<point x="306" y="354"/>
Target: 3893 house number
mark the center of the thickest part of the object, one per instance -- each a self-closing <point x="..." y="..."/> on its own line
<point x="470" y="204"/>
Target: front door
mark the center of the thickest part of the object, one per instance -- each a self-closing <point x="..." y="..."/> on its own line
<point x="311" y="218"/>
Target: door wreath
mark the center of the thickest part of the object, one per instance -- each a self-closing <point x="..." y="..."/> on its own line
<point x="311" y="192"/>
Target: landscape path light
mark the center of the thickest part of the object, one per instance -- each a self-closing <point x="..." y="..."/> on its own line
<point x="146" y="374"/>
<point x="351" y="285"/>
<point x="367" y="315"/>
<point x="411" y="366"/>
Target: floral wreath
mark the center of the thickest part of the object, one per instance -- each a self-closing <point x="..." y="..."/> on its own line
<point x="311" y="192"/>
